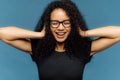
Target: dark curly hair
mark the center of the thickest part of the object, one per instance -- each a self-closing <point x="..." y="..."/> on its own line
<point x="74" y="44"/>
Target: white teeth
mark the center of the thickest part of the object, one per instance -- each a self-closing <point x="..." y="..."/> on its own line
<point x="61" y="33"/>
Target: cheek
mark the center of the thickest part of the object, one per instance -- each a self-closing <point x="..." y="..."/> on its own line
<point x="69" y="30"/>
<point x="52" y="30"/>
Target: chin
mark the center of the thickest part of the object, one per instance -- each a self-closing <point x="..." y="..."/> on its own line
<point x="60" y="40"/>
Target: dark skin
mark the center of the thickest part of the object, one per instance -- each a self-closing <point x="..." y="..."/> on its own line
<point x="109" y="35"/>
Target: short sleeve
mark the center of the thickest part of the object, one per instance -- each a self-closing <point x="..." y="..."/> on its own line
<point x="89" y="51"/>
<point x="85" y="51"/>
<point x="34" y="43"/>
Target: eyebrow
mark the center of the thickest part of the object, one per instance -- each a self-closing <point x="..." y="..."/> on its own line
<point x="61" y="21"/>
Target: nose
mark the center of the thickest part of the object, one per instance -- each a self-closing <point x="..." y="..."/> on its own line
<point x="60" y="27"/>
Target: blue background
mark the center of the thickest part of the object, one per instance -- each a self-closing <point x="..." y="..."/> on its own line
<point x="17" y="65"/>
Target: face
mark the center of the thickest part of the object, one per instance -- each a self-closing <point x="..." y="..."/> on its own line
<point x="60" y="25"/>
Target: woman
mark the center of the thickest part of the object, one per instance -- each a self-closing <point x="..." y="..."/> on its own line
<point x="61" y="45"/>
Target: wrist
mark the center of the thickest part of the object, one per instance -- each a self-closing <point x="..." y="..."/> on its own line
<point x="83" y="33"/>
<point x="40" y="34"/>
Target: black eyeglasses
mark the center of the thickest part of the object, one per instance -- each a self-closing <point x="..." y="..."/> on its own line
<point x="56" y="23"/>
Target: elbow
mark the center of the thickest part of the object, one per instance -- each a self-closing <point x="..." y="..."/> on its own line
<point x="0" y="33"/>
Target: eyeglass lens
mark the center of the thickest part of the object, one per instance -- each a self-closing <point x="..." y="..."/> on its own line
<point x="56" y="23"/>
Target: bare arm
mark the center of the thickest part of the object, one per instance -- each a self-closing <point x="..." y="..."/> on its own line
<point x="12" y="33"/>
<point x="108" y="36"/>
<point x="21" y="44"/>
<point x="101" y="44"/>
<point x="109" y="32"/>
<point x="19" y="38"/>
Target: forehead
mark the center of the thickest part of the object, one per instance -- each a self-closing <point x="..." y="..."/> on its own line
<point x="59" y="14"/>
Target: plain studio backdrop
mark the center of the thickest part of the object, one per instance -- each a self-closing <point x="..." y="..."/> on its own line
<point x="16" y="65"/>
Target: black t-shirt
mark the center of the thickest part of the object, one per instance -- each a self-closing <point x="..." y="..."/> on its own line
<point x="59" y="66"/>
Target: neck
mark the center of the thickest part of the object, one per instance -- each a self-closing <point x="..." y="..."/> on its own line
<point x="60" y="47"/>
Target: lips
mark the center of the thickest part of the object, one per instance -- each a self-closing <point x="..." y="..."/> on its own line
<point x="60" y="34"/>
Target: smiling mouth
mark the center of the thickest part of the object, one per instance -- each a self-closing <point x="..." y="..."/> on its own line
<point x="60" y="34"/>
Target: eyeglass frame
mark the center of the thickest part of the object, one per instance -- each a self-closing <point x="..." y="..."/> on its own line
<point x="61" y="22"/>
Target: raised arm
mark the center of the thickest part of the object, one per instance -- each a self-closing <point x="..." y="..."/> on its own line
<point x="108" y="31"/>
<point x="19" y="38"/>
<point x="107" y="37"/>
<point x="12" y="33"/>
